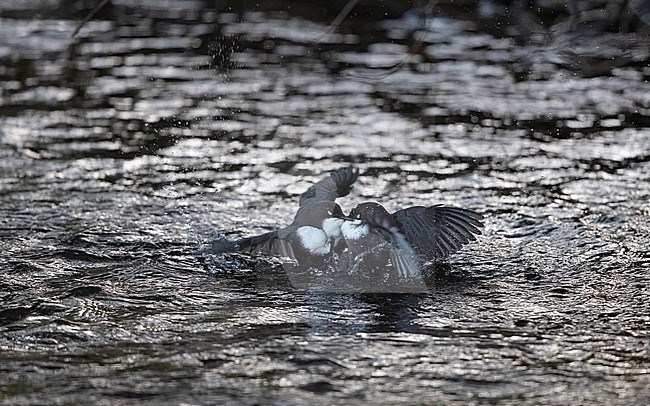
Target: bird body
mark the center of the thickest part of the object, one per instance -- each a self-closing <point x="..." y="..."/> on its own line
<point x="369" y="242"/>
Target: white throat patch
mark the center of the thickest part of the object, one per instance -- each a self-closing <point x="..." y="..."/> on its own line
<point x="332" y="227"/>
<point x="314" y="240"/>
<point x="353" y="230"/>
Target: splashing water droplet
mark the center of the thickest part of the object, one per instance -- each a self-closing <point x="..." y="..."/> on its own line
<point x="200" y="253"/>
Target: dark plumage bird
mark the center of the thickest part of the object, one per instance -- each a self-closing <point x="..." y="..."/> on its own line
<point x="369" y="240"/>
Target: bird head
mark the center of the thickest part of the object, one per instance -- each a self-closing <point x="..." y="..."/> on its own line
<point x="372" y="213"/>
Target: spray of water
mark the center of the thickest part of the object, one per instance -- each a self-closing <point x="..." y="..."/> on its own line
<point x="201" y="251"/>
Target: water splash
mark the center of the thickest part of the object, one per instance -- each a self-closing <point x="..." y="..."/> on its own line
<point x="200" y="253"/>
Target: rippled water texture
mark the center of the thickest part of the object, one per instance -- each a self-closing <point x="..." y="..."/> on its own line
<point x="158" y="128"/>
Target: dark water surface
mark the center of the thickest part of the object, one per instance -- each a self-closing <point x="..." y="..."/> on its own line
<point x="163" y="126"/>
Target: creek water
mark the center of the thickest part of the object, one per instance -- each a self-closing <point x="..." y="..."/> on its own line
<point x="160" y="127"/>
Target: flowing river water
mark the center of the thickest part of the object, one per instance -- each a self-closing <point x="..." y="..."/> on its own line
<point x="159" y="127"/>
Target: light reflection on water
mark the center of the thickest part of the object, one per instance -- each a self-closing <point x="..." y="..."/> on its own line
<point x="123" y="152"/>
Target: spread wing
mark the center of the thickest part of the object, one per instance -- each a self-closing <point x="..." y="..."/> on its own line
<point x="337" y="184"/>
<point x="376" y="244"/>
<point x="402" y="256"/>
<point x="437" y="231"/>
<point x="270" y="244"/>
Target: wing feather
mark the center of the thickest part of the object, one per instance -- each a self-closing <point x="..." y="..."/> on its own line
<point x="270" y="243"/>
<point x="402" y="256"/>
<point x="337" y="184"/>
<point x="435" y="232"/>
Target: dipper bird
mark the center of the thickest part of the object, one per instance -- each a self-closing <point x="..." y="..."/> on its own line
<point x="314" y="237"/>
<point x="369" y="240"/>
